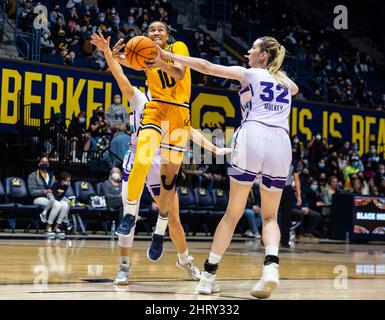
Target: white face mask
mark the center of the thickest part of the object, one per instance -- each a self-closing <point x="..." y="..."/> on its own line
<point x="45" y="36"/>
<point x="115" y="176"/>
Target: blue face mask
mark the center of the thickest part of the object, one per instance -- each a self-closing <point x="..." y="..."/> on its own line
<point x="355" y="164"/>
<point x="355" y="148"/>
<point x="314" y="187"/>
<point x="321" y="165"/>
<point x="44" y="166"/>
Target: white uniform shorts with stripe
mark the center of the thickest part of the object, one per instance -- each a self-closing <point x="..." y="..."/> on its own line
<point x="152" y="179"/>
<point x="263" y="151"/>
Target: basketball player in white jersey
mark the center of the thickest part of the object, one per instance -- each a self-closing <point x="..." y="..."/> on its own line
<point x="137" y="101"/>
<point x="261" y="148"/>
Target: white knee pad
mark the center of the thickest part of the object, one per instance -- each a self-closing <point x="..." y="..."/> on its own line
<point x="126" y="242"/>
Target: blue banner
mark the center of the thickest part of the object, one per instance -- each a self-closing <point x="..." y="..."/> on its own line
<point x="49" y="89"/>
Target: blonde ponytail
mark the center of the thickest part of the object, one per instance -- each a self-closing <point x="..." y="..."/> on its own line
<point x="276" y="53"/>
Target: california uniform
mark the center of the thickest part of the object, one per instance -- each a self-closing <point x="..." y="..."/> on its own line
<point x="168" y="110"/>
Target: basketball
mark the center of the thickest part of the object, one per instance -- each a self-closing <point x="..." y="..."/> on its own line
<point x="138" y="51"/>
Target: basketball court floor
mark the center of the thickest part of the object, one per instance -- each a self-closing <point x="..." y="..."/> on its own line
<point x="36" y="268"/>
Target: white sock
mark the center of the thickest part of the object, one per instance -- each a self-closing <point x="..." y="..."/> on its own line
<point x="214" y="258"/>
<point x="182" y="257"/>
<point x="131" y="207"/>
<point x="271" y="251"/>
<point x="161" y="225"/>
<point x="124" y="260"/>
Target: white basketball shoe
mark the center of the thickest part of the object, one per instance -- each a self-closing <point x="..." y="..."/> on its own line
<point x="123" y="275"/>
<point x="207" y="284"/>
<point x="268" y="282"/>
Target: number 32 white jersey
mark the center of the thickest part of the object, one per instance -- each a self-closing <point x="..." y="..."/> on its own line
<point x="264" y="100"/>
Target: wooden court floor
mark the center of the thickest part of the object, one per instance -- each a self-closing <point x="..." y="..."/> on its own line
<point x="84" y="269"/>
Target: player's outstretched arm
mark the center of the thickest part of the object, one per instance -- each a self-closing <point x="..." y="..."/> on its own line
<point x="200" y="139"/>
<point x="204" y="66"/>
<point x="104" y="45"/>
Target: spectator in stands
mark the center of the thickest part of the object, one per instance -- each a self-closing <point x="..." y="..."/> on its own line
<point x="40" y="184"/>
<point x="58" y="31"/>
<point x="297" y="148"/>
<point x="317" y="148"/>
<point x="54" y="14"/>
<point x="372" y="155"/>
<point x="112" y="190"/>
<point x="73" y="4"/>
<point x="253" y="213"/>
<point x="59" y="189"/>
<point x="380" y="174"/>
<point x="25" y="16"/>
<point x="119" y="145"/>
<point x="98" y="126"/>
<point x="309" y="220"/>
<point x="97" y="61"/>
<point x="116" y="113"/>
<point x="73" y="16"/>
<point x="68" y="57"/>
<point x="350" y="170"/>
<point x="79" y="137"/>
<point x="47" y="45"/>
<point x="327" y="196"/>
<point x="357" y="187"/>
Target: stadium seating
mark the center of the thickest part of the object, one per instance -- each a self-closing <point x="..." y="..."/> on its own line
<point x="220" y="200"/>
<point x="201" y="212"/>
<point x="17" y="193"/>
<point x="186" y="204"/>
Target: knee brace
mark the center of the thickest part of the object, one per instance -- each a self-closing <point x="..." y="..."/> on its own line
<point x="171" y="185"/>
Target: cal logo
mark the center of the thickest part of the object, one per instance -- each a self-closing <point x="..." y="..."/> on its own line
<point x="184" y="190"/>
<point x="16" y="182"/>
<point x="213" y="119"/>
<point x="84" y="185"/>
<point x="219" y="192"/>
<point x="202" y="191"/>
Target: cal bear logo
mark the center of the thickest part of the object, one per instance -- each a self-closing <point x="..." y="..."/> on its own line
<point x="202" y="191"/>
<point x="184" y="190"/>
<point x="84" y="185"/>
<point x="16" y="182"/>
<point x="213" y="119"/>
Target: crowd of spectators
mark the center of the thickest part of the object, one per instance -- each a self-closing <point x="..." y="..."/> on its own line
<point x="339" y="73"/>
<point x="108" y="135"/>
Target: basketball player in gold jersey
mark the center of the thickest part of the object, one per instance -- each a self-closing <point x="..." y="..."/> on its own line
<point x="165" y="122"/>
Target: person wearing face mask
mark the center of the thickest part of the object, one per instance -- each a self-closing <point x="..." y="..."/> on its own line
<point x="98" y="126"/>
<point x="352" y="168"/>
<point x="47" y="45"/>
<point x="55" y="13"/>
<point x="372" y="155"/>
<point x="117" y="114"/>
<point x="119" y="145"/>
<point x="97" y="62"/>
<point x="112" y="190"/>
<point x="380" y="174"/>
<point x="40" y="188"/>
<point x="297" y="148"/>
<point x="59" y="188"/>
<point x="79" y="137"/>
<point x="317" y="148"/>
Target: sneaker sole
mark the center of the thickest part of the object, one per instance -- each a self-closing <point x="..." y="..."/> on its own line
<point x="122" y="283"/>
<point x="269" y="287"/>
<point x="121" y="234"/>
<point x="190" y="276"/>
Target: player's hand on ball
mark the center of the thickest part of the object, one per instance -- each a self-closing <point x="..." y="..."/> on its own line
<point x="100" y="42"/>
